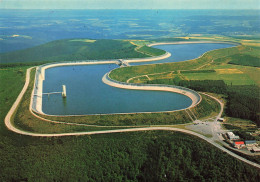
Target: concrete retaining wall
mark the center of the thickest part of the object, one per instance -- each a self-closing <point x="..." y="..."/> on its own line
<point x="155" y="58"/>
<point x="194" y="96"/>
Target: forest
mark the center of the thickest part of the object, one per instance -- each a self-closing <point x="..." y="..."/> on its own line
<point x="137" y="156"/>
<point x="246" y="60"/>
<point x="244" y="102"/>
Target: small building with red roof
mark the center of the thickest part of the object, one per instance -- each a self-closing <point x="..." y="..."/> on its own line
<point x="238" y="144"/>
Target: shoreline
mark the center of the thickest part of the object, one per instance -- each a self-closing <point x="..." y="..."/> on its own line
<point x="185" y="42"/>
<point x="36" y="98"/>
<point x="193" y="95"/>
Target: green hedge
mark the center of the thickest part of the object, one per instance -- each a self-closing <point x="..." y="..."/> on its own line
<point x="245" y="60"/>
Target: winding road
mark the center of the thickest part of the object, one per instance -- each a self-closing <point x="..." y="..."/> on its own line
<point x="9" y="124"/>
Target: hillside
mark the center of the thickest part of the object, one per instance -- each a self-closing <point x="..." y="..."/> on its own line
<point x="73" y="50"/>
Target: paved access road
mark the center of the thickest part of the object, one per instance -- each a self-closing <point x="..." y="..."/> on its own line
<point x="11" y="127"/>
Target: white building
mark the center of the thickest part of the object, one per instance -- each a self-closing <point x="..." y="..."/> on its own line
<point x="232" y="136"/>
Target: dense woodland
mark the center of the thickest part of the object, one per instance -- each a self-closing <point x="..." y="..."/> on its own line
<point x="242" y="101"/>
<point x="138" y="156"/>
<point x="246" y="60"/>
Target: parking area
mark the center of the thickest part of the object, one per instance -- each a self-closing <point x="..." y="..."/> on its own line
<point x="203" y="127"/>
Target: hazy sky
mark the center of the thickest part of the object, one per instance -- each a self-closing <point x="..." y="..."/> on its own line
<point x="130" y="4"/>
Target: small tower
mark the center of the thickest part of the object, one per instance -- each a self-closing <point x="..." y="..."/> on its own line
<point x="64" y="95"/>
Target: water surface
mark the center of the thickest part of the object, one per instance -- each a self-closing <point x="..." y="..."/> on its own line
<point x="87" y="94"/>
<point x="182" y="52"/>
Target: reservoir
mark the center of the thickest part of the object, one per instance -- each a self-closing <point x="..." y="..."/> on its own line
<point x="182" y="52"/>
<point x="87" y="94"/>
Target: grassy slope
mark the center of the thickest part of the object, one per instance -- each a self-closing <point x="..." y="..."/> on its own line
<point x="229" y="78"/>
<point x="151" y="51"/>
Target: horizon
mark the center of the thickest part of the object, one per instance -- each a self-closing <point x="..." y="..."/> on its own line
<point x="114" y="9"/>
<point x="134" y="4"/>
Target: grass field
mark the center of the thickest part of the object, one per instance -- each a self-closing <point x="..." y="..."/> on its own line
<point x="151" y="51"/>
<point x="229" y="76"/>
<point x="123" y="74"/>
<point x="11" y="83"/>
<point x="229" y="73"/>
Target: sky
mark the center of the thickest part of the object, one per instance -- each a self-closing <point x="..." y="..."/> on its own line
<point x="129" y="4"/>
